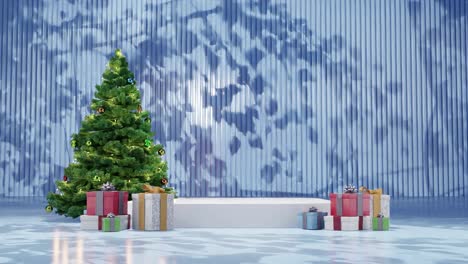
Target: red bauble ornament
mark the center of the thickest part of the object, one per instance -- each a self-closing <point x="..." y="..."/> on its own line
<point x="65" y="178"/>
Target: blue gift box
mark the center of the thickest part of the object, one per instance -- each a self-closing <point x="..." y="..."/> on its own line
<point x="311" y="220"/>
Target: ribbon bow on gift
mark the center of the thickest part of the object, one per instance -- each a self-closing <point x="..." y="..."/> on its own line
<point x="110" y="215"/>
<point x="153" y="189"/>
<point x="107" y="187"/>
<point x="312" y="209"/>
<point x="364" y="189"/>
<point x="350" y="189"/>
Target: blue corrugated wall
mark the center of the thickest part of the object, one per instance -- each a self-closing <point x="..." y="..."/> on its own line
<point x="250" y="98"/>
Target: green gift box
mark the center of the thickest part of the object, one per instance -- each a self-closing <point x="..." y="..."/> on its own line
<point x="380" y="223"/>
<point x="111" y="224"/>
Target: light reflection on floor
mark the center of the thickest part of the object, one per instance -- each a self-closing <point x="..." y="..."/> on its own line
<point x="422" y="232"/>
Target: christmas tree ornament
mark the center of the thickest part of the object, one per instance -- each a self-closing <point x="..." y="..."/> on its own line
<point x="148" y="178"/>
<point x="88" y="143"/>
<point x="107" y="187"/>
<point x="65" y="178"/>
<point x="49" y="208"/>
<point x="147" y="142"/>
<point x="161" y="152"/>
<point x="164" y="181"/>
<point x="139" y="109"/>
<point x="101" y="110"/>
<point x="148" y="120"/>
<point x="97" y="179"/>
<point x="159" y="170"/>
<point x="73" y="143"/>
<point x="130" y="80"/>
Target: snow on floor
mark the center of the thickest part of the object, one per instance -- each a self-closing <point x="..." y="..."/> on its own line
<point x="422" y="231"/>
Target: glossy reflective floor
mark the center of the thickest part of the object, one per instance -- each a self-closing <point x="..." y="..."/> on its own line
<point x="423" y="231"/>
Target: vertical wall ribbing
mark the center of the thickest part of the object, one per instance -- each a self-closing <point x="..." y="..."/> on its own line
<point x="386" y="82"/>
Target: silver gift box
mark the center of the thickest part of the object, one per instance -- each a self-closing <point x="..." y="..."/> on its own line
<point x="152" y="212"/>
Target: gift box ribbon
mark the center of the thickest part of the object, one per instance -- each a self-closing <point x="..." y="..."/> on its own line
<point x="336" y="222"/>
<point x="112" y="224"/>
<point x="377" y="198"/>
<point x="376" y="203"/>
<point x="380" y="223"/>
<point x="339" y="204"/>
<point x="162" y="213"/>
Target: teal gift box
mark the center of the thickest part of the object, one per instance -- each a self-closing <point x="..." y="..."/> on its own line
<point x="312" y="220"/>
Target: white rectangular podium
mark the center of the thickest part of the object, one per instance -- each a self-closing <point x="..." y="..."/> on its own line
<point x="241" y="212"/>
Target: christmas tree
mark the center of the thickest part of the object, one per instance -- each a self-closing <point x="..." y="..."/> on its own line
<point x="114" y="145"/>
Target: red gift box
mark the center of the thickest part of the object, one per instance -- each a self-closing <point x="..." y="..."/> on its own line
<point x="350" y="204"/>
<point x="337" y="222"/>
<point x="105" y="202"/>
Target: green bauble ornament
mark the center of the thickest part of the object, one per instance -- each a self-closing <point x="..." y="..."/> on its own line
<point x="49" y="208"/>
<point x="147" y="142"/>
<point x="97" y="179"/>
<point x="161" y="152"/>
<point x="88" y="143"/>
<point x="73" y="143"/>
<point x="148" y="120"/>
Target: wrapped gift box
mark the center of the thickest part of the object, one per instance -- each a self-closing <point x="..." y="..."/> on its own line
<point x="350" y="204"/>
<point x="381" y="223"/>
<point x="344" y="223"/>
<point x="380" y="204"/>
<point x="94" y="222"/>
<point x="106" y="202"/>
<point x="311" y="220"/>
<point x="111" y="224"/>
<point x="153" y="212"/>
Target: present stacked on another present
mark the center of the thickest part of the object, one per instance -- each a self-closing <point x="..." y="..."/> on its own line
<point x="380" y="208"/>
<point x="349" y="211"/>
<point x="106" y="208"/>
<point x="153" y="210"/>
<point x="312" y="220"/>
